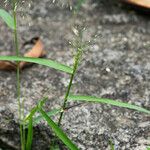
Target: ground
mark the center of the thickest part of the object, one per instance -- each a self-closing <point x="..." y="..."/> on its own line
<point x="115" y="65"/>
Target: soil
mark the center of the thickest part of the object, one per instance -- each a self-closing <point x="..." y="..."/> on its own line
<point x="115" y="65"/>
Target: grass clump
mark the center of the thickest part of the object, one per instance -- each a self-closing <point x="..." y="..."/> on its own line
<point x="27" y="122"/>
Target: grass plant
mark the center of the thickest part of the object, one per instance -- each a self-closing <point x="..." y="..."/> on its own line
<point x="22" y="132"/>
<point x="30" y="120"/>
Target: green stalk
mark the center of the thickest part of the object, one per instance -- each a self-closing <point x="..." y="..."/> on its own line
<point x="66" y="98"/>
<point x="75" y="66"/>
<point x="23" y="125"/>
<point x="18" y="74"/>
<point x="79" y="47"/>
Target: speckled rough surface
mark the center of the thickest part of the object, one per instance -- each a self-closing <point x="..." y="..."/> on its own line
<point x="116" y="65"/>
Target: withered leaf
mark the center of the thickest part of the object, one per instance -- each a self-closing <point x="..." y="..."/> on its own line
<point x="141" y="3"/>
<point x="6" y="65"/>
<point x="36" y="52"/>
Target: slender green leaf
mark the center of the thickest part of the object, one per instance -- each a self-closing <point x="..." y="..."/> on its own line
<point x="107" y="101"/>
<point x="148" y="148"/>
<point x="7" y="18"/>
<point x="35" y="109"/>
<point x="31" y="114"/>
<point x="30" y="135"/>
<point x="42" y="102"/>
<point x="112" y="146"/>
<point x="37" y="119"/>
<point x="41" y="61"/>
<point x="58" y="131"/>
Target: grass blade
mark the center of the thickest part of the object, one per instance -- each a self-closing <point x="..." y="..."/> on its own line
<point x="35" y="109"/>
<point x="107" y="101"/>
<point x="7" y="18"/>
<point x="41" y="61"/>
<point x="37" y="119"/>
<point x="30" y="135"/>
<point x="112" y="146"/>
<point x="32" y="112"/>
<point x="58" y="131"/>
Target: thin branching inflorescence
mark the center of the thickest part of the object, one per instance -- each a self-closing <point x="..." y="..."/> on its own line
<point x="78" y="44"/>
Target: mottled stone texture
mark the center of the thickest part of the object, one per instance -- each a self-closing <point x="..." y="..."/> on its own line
<point x="116" y="65"/>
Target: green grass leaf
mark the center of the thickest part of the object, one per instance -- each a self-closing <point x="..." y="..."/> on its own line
<point x="7" y="18"/>
<point x="107" y="101"/>
<point x="53" y="112"/>
<point x="112" y="146"/>
<point x="35" y="109"/>
<point x="30" y="135"/>
<point x="31" y="114"/>
<point x="148" y="148"/>
<point x="58" y="131"/>
<point x="41" y="61"/>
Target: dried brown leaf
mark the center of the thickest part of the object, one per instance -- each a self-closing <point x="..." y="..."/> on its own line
<point x="141" y="3"/>
<point x="6" y="65"/>
<point x="36" y="52"/>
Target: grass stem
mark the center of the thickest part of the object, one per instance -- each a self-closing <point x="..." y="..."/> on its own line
<point x="75" y="66"/>
<point x="22" y="136"/>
